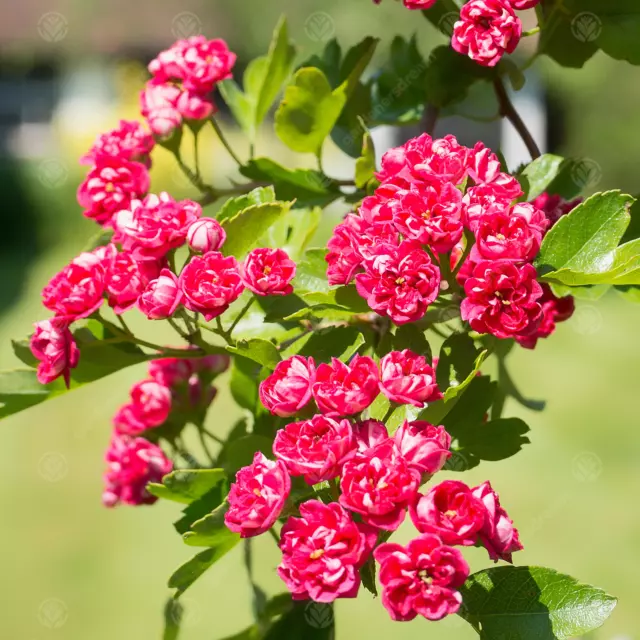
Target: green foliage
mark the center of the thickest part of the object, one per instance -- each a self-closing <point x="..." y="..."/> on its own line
<point x="261" y="351"/>
<point x="233" y="206"/>
<point x="532" y="603"/>
<point x="459" y="362"/>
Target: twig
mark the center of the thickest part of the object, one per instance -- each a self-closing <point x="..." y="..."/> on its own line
<point x="225" y="142"/>
<point x="508" y="111"/>
<point x="430" y="119"/>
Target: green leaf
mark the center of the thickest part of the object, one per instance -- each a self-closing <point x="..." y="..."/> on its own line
<point x="442" y="15"/>
<point x="400" y="414"/>
<point x="575" y="29"/>
<point x="233" y="206"/>
<point x="585" y="239"/>
<point x="408" y="336"/>
<point x="187" y="485"/>
<point x="494" y="440"/>
<point x="458" y="364"/>
<point x="246" y="227"/>
<point x="472" y="406"/>
<point x="323" y="344"/>
<point x="173" y="612"/>
<point x="379" y="407"/>
<point x="366" y="163"/>
<point x="100" y="239"/>
<point x="184" y="576"/>
<point x="211" y="531"/>
<point x="306" y="620"/>
<point x="309" y="110"/>
<point x="307" y="187"/>
<point x="311" y="273"/>
<point x="20" y="389"/>
<point x="532" y="603"/>
<point x="261" y="351"/>
<point x="241" y="105"/>
<point x="537" y="176"/>
<point x="244" y="382"/>
<point x="240" y="452"/>
<point x="22" y="350"/>
<point x="368" y="576"/>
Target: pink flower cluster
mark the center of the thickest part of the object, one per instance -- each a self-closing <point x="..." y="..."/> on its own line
<point x="431" y="191"/>
<point x="184" y="76"/>
<point x="377" y="477"/>
<point x="174" y="384"/>
<point x="341" y="389"/>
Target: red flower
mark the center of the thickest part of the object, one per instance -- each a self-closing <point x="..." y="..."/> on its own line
<point x="369" y="434"/>
<point x="128" y="141"/>
<point x="322" y="552"/>
<point x="379" y="484"/>
<point x="257" y="497"/>
<point x="126" y="278"/>
<point x="315" y="449"/>
<point x="111" y="185"/>
<point x="344" y="389"/>
<point x="131" y="464"/>
<point x="52" y="343"/>
<point x="161" y="297"/>
<point x="210" y="283"/>
<point x="206" y="234"/>
<point x="421" y="578"/>
<point x="502" y="299"/>
<point x="76" y="291"/>
<point x="149" y="407"/>
<point x="268" y="272"/>
<point x="487" y="29"/>
<point x="152" y="227"/>
<point x="399" y="282"/>
<point x="288" y="389"/>
<point x="554" y="206"/>
<point x="407" y="378"/>
<point x="424" y="446"/>
<point x="451" y="511"/>
<point x="441" y="159"/>
<point x="498" y="534"/>
<point x="159" y="105"/>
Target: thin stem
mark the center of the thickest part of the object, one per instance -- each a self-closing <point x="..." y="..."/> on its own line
<point x="205" y="446"/>
<point x="196" y="154"/>
<point x="124" y="325"/>
<point x="430" y="119"/>
<point x="177" y="328"/>
<point x="446" y="273"/>
<point x="389" y="413"/>
<point x="239" y="317"/>
<point x="212" y="436"/>
<point x="335" y="489"/>
<point x="508" y="111"/>
<point x="194" y="179"/>
<point x="274" y="535"/>
<point x="470" y="239"/>
<point x="225" y="142"/>
<point x="531" y="32"/>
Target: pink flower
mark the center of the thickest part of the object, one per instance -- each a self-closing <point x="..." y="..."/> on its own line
<point x="451" y="511"/>
<point x="424" y="446"/>
<point x="502" y="299"/>
<point x="52" y="343"/>
<point x="369" y="434"/>
<point x="554" y="310"/>
<point x="421" y="578"/>
<point x="487" y="29"/>
<point x="210" y="283"/>
<point x="399" y="282"/>
<point x="521" y="5"/>
<point x="152" y="227"/>
<point x="431" y="214"/>
<point x="149" y="407"/>
<point x="437" y="159"/>
<point x="194" y="106"/>
<point x="126" y="279"/>
<point x="161" y="297"/>
<point x="288" y="389"/>
<point x="268" y="272"/>
<point x="419" y="4"/>
<point x="198" y="62"/>
<point x="407" y="378"/>
<point x="483" y="198"/>
<point x="554" y="206"/>
<point x="110" y="186"/>
<point x="131" y="464"/>
<point x="76" y="291"/>
<point x="379" y="484"/>
<point x="159" y="105"/>
<point x="315" y="449"/>
<point x="257" y="497"/>
<point x="344" y="389"/>
<point x="322" y="552"/>
<point x="170" y="372"/>
<point x="515" y="234"/>
<point x="498" y="534"/>
<point x="206" y="234"/>
<point x="128" y="141"/>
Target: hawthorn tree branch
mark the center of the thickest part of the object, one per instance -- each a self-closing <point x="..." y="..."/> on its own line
<point x="508" y="111"/>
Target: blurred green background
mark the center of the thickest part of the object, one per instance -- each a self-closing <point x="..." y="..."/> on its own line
<point x="73" y="570"/>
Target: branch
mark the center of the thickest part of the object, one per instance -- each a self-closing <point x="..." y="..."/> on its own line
<point x="508" y="111"/>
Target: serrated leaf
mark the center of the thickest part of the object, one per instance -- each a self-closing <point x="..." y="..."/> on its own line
<point x="211" y="531"/>
<point x="187" y="485"/>
<point x="585" y="239"/>
<point x="261" y="351"/>
<point x="233" y="206"/>
<point x="532" y="603"/>
<point x="241" y="106"/>
<point x="239" y="453"/>
<point x="323" y="344"/>
<point x="22" y="351"/>
<point x="538" y="175"/>
<point x="366" y="163"/>
<point x="308" y="110"/>
<point x="459" y="362"/>
<point x="493" y="440"/>
<point x="311" y="273"/>
<point x="246" y="227"/>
